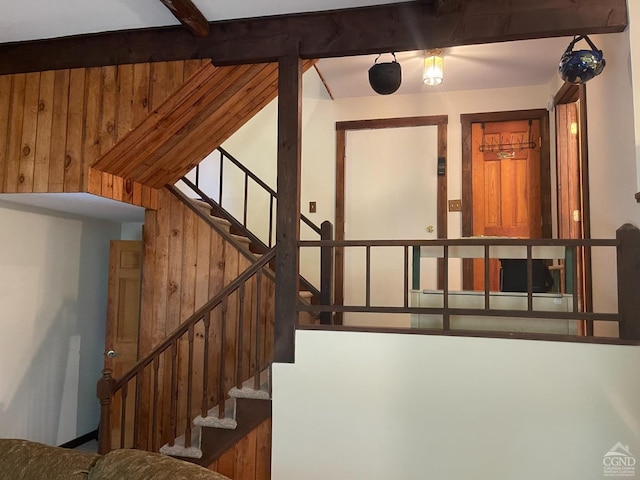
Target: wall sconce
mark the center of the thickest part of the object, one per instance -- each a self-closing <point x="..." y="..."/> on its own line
<point x="433" y="72"/>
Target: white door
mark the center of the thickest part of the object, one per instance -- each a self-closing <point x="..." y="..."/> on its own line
<point x="390" y="194"/>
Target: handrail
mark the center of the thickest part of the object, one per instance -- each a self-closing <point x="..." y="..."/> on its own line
<point x="273" y="195"/>
<point x="198" y="315"/>
<point x="469" y="241"/>
<point x="254" y="239"/>
<point x="250" y="359"/>
<point x="626" y="244"/>
<point x="260" y="182"/>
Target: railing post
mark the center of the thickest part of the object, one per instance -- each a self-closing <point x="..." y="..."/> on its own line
<point x="628" y="237"/>
<point x="288" y="212"/>
<point x="105" y="394"/>
<point x="326" y="272"/>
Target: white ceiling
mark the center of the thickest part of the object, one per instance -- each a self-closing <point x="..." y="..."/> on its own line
<point x="473" y="67"/>
<point x="80" y="204"/>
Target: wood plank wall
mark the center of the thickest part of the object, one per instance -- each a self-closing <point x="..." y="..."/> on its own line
<point x="250" y="458"/>
<point x="205" y="112"/>
<point x="185" y="264"/>
<point x="55" y="125"/>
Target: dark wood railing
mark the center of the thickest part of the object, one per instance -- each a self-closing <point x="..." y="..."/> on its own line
<point x="626" y="244"/>
<point x="130" y="410"/>
<point x="248" y="176"/>
<point x="260" y="244"/>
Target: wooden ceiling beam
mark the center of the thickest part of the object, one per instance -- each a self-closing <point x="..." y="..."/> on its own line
<point x="396" y="27"/>
<point x="189" y="15"/>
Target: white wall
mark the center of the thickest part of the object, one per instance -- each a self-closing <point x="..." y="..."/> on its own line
<point x="612" y="163"/>
<point x="409" y="407"/>
<point x="633" y="8"/>
<point x="53" y="288"/>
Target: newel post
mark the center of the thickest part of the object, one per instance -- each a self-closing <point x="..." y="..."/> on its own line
<point x="326" y="271"/>
<point x="628" y="237"/>
<point x="105" y="394"/>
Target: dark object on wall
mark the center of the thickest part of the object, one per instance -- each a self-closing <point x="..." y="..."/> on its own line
<point x="580" y="66"/>
<point x="513" y="276"/>
<point x="385" y="78"/>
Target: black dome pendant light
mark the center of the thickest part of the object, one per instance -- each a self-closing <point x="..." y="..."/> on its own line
<point x="385" y="78"/>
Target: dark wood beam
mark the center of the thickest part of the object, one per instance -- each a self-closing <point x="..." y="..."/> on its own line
<point x="189" y="15"/>
<point x="288" y="213"/>
<point x="397" y="27"/>
<point x="445" y="7"/>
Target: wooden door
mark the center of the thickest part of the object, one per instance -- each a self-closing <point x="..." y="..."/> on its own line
<point x="573" y="199"/>
<point x="505" y="185"/>
<point x="123" y="319"/>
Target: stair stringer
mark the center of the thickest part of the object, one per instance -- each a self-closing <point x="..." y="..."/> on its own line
<point x="240" y="241"/>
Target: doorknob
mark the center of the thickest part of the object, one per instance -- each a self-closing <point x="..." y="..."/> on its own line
<point x="430" y="229"/>
<point x="112" y="354"/>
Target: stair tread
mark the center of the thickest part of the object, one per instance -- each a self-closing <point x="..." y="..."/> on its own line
<point x="213" y="420"/>
<point x="241" y="238"/>
<point x="179" y="450"/>
<point x="248" y="391"/>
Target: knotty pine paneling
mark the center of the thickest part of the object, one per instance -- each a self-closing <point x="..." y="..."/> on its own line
<point x="193" y="122"/>
<point x="55" y="125"/>
<point x="186" y="263"/>
<point x="250" y="458"/>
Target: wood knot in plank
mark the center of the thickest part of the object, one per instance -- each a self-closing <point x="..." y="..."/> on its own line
<point x="41" y="106"/>
<point x="26" y="150"/>
<point x="21" y="178"/>
<point x="67" y="162"/>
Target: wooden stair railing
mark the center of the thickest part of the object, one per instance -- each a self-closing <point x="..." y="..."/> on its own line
<point x="129" y="405"/>
<point x="241" y="225"/>
<point x="227" y="159"/>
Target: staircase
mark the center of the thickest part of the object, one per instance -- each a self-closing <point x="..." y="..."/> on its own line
<point x="210" y="377"/>
<point x="225" y="416"/>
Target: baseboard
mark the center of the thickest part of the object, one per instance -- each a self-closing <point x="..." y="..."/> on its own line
<point x="76" y="442"/>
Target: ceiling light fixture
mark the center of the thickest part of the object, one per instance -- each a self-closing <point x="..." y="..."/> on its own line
<point x="433" y="72"/>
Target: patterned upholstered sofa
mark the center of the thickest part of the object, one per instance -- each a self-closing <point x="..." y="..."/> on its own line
<point x="24" y="460"/>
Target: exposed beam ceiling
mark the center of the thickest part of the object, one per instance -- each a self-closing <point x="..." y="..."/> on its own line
<point x="396" y="27"/>
<point x="189" y="15"/>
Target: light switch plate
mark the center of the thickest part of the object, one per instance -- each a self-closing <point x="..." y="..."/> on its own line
<point x="312" y="207"/>
<point x="455" y="205"/>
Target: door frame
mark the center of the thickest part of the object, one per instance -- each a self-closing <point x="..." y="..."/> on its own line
<point x="441" y="121"/>
<point x="570" y="93"/>
<point x="466" y="120"/>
